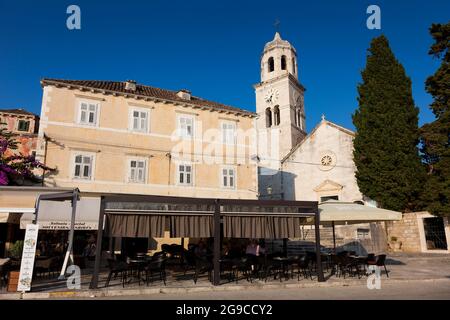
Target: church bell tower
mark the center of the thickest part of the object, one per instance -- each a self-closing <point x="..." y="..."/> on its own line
<point x="279" y="97"/>
<point x="280" y="112"/>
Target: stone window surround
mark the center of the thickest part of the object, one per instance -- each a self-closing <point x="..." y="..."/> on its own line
<point x="423" y="242"/>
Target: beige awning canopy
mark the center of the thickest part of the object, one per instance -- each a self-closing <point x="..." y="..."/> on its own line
<point x="56" y="215"/>
<point x="12" y="215"/>
<point x="341" y="212"/>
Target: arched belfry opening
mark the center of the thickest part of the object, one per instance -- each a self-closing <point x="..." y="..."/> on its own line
<point x="268" y="118"/>
<point x="276" y="115"/>
<point x="271" y="64"/>
<point x="283" y="63"/>
<point x="293" y="65"/>
<point x="299" y="118"/>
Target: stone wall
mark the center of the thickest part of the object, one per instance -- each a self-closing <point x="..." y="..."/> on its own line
<point x="407" y="233"/>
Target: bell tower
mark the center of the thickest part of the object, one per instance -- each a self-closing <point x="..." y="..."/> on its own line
<point x="279" y="99"/>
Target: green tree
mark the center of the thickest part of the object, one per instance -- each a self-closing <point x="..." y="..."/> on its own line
<point x="435" y="136"/>
<point x="386" y="154"/>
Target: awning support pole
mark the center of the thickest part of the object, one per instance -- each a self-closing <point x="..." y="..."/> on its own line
<point x="111" y="246"/>
<point x="216" y="254"/>
<point x="320" y="276"/>
<point x="69" y="252"/>
<point x="334" y="237"/>
<point x="98" y="249"/>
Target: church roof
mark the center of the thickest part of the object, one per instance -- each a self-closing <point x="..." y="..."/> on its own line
<point x="143" y="92"/>
<point x="323" y="122"/>
<point x="278" y="42"/>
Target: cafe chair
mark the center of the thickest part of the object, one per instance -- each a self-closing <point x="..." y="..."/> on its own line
<point x="156" y="266"/>
<point x="117" y="268"/>
<point x="379" y="262"/>
<point x="304" y="267"/>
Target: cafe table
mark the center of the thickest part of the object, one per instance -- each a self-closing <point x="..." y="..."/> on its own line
<point x="136" y="266"/>
<point x="282" y="271"/>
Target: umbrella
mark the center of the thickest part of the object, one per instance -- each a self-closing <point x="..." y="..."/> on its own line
<point x="340" y="212"/>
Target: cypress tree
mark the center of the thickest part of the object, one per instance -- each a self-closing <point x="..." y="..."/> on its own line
<point x="435" y="136"/>
<point x="386" y="154"/>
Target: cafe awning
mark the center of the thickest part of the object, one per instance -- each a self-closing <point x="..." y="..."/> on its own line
<point x="12" y="215"/>
<point x="188" y="217"/>
<point x="56" y="215"/>
<point x="146" y="215"/>
<point x="341" y="212"/>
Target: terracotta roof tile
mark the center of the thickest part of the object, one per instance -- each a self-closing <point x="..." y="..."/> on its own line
<point x="18" y="111"/>
<point x="144" y="91"/>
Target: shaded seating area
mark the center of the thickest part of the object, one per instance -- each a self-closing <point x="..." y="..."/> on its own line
<point x="348" y="264"/>
<point x="143" y="216"/>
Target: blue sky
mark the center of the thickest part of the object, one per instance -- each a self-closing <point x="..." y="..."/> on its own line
<point x="212" y="47"/>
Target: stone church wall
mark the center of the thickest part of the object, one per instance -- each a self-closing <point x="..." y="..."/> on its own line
<point x="406" y="233"/>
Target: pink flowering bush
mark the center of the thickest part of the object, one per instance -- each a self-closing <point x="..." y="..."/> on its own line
<point x="16" y="169"/>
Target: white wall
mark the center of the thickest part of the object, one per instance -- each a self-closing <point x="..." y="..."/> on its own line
<point x="304" y="164"/>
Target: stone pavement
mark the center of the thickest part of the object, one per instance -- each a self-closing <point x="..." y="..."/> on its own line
<point x="402" y="268"/>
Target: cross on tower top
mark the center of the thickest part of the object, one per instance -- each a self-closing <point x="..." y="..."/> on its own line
<point x="277" y="25"/>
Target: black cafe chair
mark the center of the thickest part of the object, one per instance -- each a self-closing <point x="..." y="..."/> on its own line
<point x="156" y="266"/>
<point x="117" y="268"/>
<point x="379" y="262"/>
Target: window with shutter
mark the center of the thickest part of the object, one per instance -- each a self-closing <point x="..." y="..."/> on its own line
<point x="83" y="165"/>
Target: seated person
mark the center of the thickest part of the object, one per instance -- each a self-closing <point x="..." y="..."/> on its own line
<point x="252" y="252"/>
<point x="253" y="248"/>
<point x="201" y="251"/>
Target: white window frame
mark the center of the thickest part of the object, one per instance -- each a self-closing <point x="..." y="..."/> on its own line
<point x="18" y="124"/>
<point x="97" y="112"/>
<point x="73" y="165"/>
<point x="129" y="169"/>
<point x="180" y="132"/>
<point x="363" y="233"/>
<point x="131" y="120"/>
<point x="177" y="178"/>
<point x="223" y="131"/>
<point x="221" y="176"/>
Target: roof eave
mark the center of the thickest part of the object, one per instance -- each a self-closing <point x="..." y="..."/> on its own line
<point x="242" y="112"/>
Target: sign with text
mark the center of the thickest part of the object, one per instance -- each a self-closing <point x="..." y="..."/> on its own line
<point x="28" y="255"/>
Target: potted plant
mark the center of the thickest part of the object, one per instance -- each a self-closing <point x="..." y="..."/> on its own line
<point x="15" y="253"/>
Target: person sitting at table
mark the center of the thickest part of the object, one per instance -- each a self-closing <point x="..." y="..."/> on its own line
<point x="253" y="248"/>
<point x="252" y="252"/>
<point x="43" y="248"/>
<point x="89" y="250"/>
<point x="226" y="249"/>
<point x="200" y="251"/>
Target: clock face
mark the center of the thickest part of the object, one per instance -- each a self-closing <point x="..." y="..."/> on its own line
<point x="271" y="96"/>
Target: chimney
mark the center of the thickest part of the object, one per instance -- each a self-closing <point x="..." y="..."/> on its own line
<point x="184" y="94"/>
<point x="130" y="85"/>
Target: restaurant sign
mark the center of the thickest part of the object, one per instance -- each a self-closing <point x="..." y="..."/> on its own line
<point x="65" y="225"/>
<point x="28" y="255"/>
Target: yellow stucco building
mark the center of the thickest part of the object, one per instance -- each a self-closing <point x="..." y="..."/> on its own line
<point x="124" y="137"/>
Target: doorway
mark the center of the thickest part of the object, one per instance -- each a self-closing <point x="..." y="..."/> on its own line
<point x="325" y="198"/>
<point x="435" y="233"/>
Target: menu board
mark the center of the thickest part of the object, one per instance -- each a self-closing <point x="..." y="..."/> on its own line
<point x="28" y="256"/>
